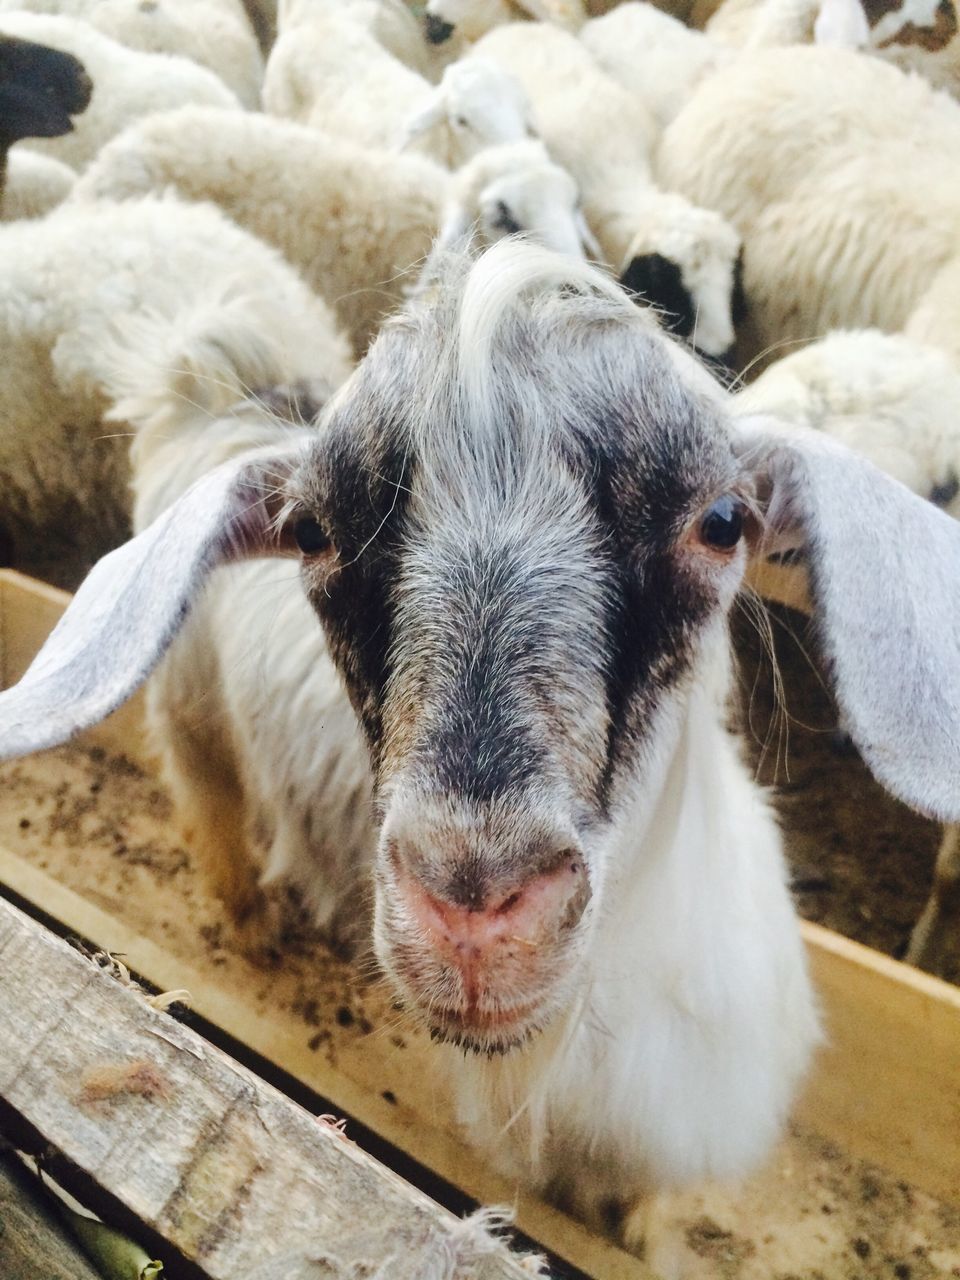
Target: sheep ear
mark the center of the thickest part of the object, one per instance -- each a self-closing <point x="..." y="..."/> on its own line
<point x="131" y="605"/>
<point x="884" y="570"/>
<point x="432" y="112"/>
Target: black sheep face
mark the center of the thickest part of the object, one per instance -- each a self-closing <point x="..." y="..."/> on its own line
<point x="40" y="89"/>
<point x="659" y="282"/>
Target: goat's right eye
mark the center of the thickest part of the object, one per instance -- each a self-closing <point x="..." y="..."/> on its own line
<point x="310" y="536"/>
<point x="722" y="524"/>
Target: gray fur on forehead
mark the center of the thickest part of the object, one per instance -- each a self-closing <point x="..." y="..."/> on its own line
<point x="519" y="347"/>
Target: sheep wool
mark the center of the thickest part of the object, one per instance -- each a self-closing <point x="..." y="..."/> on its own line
<point x="840" y="174"/>
<point x="126" y="84"/>
<point x="213" y="33"/>
<point x="70" y="280"/>
<point x="34" y="185"/>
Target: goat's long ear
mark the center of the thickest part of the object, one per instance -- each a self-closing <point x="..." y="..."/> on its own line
<point x="885" y="579"/>
<point x="129" y="608"/>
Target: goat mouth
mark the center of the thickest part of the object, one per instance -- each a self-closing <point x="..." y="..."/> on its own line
<point x="485" y="1044"/>
<point x="488" y="1033"/>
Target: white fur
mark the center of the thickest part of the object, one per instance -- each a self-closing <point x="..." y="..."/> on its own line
<point x="126" y="84"/>
<point x="476" y="104"/>
<point x="358" y="223"/>
<point x="65" y="283"/>
<point x="354" y="68"/>
<point x="472" y="19"/>
<point x="890" y="399"/>
<point x="899" y="36"/>
<point x="34" y="184"/>
<point x="652" y="54"/>
<point x="214" y="33"/>
<point x="839" y="172"/>
<point x="604" y="135"/>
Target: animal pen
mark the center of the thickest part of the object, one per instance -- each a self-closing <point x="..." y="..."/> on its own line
<point x="202" y="1141"/>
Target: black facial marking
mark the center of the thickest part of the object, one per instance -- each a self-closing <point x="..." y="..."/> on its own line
<point x="354" y="599"/>
<point x="505" y="221"/>
<point x="479" y="751"/>
<point x="658" y="281"/>
<point x="945" y="492"/>
<point x="437" y="30"/>
<point x="654" y="610"/>
<point x="40" y="89"/>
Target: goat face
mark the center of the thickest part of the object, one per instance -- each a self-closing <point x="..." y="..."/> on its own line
<point x="519" y="527"/>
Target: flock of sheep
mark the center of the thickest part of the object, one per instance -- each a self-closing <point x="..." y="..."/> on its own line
<point x="207" y="216"/>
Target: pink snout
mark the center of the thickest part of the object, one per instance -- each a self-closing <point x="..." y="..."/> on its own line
<point x="503" y="949"/>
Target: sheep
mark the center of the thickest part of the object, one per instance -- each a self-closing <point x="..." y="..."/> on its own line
<point x="893" y="400"/>
<point x="358" y="223"/>
<point x="522" y="523"/>
<point x="896" y="402"/>
<point x="34" y="185"/>
<point x="376" y="41"/>
<point x="331" y="70"/>
<point x="916" y="35"/>
<point x="64" y="281"/>
<point x="41" y="90"/>
<point x="214" y="33"/>
<point x="681" y="258"/>
<point x="476" y="104"/>
<point x="126" y="84"/>
<point x="469" y="20"/>
<point x="838" y="172"/>
<point x="652" y="54"/>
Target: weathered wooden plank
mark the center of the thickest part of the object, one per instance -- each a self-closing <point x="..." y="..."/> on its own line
<point x="233" y="1174"/>
<point x="34" y="1244"/>
<point x="355" y="1086"/>
<point x="888" y="1083"/>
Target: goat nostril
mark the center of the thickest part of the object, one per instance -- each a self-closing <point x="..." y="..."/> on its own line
<point x="509" y="903"/>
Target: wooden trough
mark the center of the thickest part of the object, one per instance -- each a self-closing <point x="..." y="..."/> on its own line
<point x="886" y="1088"/>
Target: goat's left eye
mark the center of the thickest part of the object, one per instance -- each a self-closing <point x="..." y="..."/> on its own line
<point x="310" y="536"/>
<point x="722" y="524"/>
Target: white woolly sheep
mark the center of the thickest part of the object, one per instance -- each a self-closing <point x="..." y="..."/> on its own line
<point x="380" y="40"/>
<point x="522" y="526"/>
<point x="681" y="258"/>
<point x="64" y="282"/>
<point x="214" y="33"/>
<point x="33" y="186"/>
<point x="890" y="399"/>
<point x="652" y="54"/>
<point x="358" y="223"/>
<point x="839" y="173"/>
<point x="126" y="84"/>
<point x="469" y="20"/>
<point x="330" y="70"/>
<point x="916" y="35"/>
<point x="476" y="104"/>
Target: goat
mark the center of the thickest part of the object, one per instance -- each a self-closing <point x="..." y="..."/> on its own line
<point x="522" y="523"/>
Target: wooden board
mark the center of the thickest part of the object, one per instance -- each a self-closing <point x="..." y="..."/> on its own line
<point x="208" y="1157"/>
<point x="888" y="1088"/>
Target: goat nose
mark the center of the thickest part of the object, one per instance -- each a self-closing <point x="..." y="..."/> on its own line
<point x="521" y="918"/>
